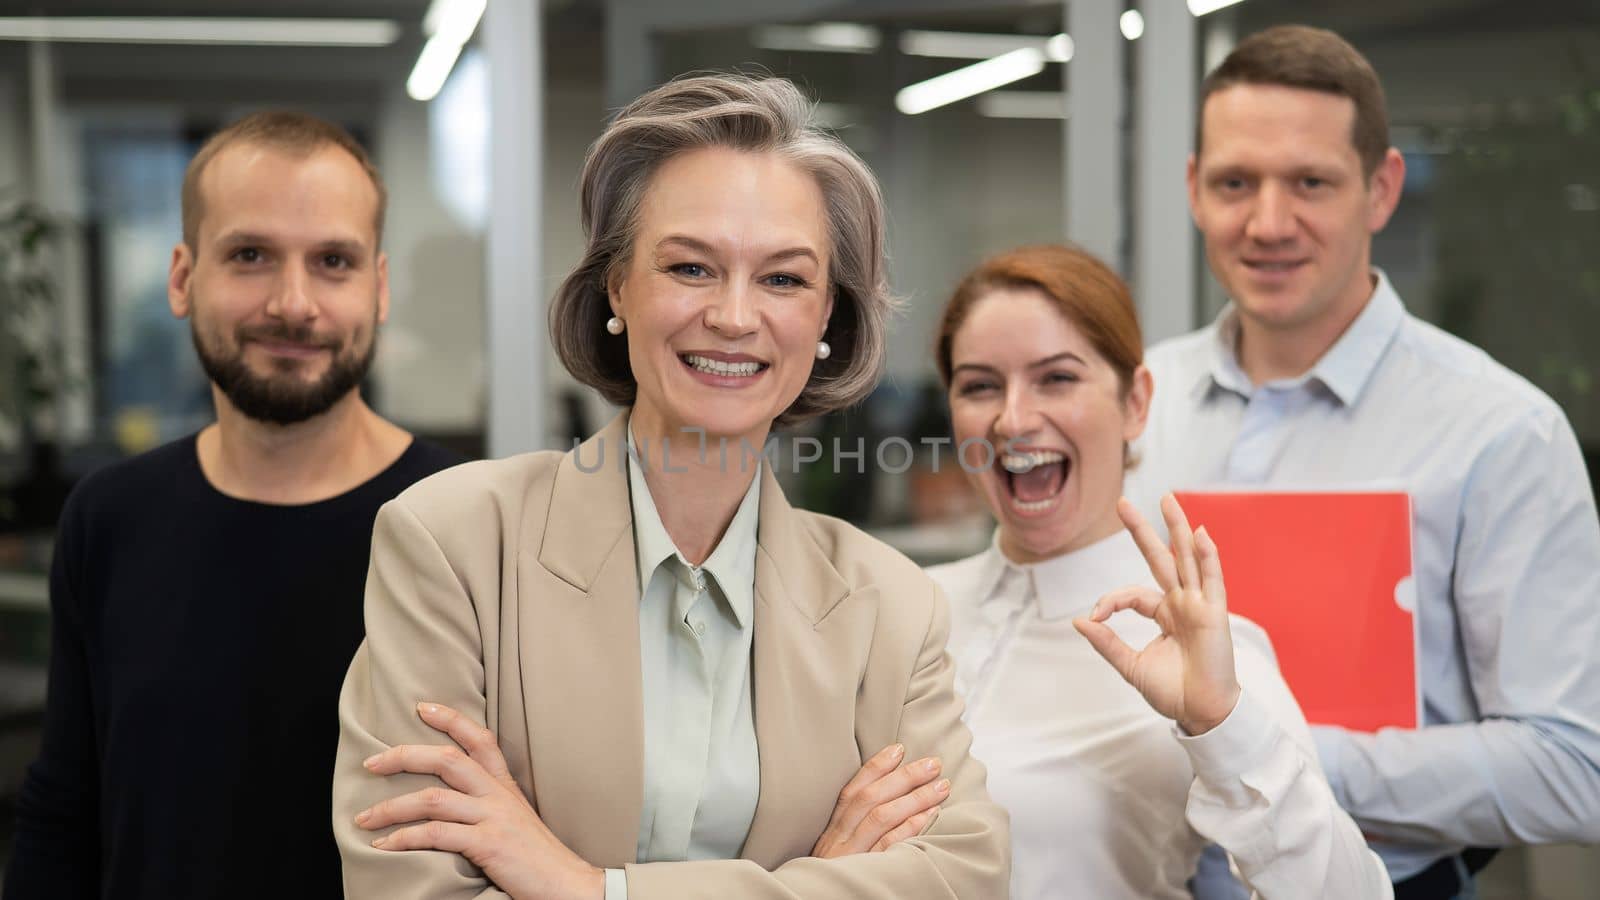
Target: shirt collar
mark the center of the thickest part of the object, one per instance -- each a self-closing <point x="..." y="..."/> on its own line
<point x="1348" y="365"/>
<point x="732" y="564"/>
<point x="993" y="568"/>
<point x="1344" y="370"/>
<point x="1068" y="585"/>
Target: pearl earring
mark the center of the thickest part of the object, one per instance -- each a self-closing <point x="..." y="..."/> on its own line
<point x="615" y="325"/>
<point x="823" y="350"/>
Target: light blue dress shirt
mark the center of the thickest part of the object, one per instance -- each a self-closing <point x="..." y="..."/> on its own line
<point x="701" y="768"/>
<point x="1507" y="564"/>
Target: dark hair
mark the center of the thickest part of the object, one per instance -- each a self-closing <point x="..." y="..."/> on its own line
<point x="286" y="130"/>
<point x="742" y="113"/>
<point x="1312" y="59"/>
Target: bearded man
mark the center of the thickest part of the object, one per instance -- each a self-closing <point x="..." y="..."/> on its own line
<point x="206" y="596"/>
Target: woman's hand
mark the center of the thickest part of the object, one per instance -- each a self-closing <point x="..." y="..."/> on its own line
<point x="480" y="814"/>
<point x="1187" y="673"/>
<point x="883" y="805"/>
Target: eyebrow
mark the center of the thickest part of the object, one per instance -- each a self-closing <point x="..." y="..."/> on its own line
<point x="353" y="249"/>
<point x="347" y="246"/>
<point x="1065" y="356"/>
<point x="700" y="246"/>
<point x="1320" y="168"/>
<point x="1048" y="360"/>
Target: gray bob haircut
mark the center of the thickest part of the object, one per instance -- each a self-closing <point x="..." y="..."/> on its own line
<point x="765" y="115"/>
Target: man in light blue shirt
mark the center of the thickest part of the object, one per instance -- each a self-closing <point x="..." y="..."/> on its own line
<point x="1315" y="375"/>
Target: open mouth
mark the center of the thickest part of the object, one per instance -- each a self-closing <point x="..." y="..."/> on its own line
<point x="1034" y="478"/>
<point x="722" y="369"/>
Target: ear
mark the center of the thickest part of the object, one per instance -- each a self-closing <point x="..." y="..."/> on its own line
<point x="179" y="275"/>
<point x="1136" y="406"/>
<point x="614" y="295"/>
<point x="383" y="287"/>
<point x="1191" y="177"/>
<point x="1383" y="189"/>
<point x="827" y="311"/>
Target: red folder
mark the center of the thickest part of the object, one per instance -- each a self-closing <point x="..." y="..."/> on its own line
<point x="1328" y="576"/>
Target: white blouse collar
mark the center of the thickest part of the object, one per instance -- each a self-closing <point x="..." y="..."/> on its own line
<point x="1068" y="585"/>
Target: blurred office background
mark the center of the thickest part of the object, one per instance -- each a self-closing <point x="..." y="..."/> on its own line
<point x="1496" y="104"/>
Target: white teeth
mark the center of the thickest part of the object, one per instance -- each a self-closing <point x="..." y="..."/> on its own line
<point x="1033" y="506"/>
<point x="1020" y="463"/>
<point x="717" y="367"/>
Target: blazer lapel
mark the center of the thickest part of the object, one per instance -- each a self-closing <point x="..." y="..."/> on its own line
<point x="579" y="653"/>
<point x="809" y="651"/>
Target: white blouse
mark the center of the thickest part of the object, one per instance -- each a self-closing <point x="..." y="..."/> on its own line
<point x="1097" y="782"/>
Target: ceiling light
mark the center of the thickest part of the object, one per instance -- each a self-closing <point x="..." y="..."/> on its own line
<point x="449" y="24"/>
<point x="1059" y="49"/>
<point x="970" y="80"/>
<point x="1132" y="24"/>
<point x="824" y="37"/>
<point x="1023" y="105"/>
<point x="972" y="45"/>
<point x="175" y="30"/>
<point x="1202" y="7"/>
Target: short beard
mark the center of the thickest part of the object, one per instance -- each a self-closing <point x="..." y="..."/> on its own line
<point x="282" y="400"/>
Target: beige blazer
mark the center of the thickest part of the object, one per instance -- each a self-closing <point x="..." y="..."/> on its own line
<point x="508" y="589"/>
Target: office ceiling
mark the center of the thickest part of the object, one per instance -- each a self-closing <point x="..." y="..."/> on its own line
<point x="575" y="36"/>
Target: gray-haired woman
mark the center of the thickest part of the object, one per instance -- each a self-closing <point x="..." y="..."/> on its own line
<point x="678" y="672"/>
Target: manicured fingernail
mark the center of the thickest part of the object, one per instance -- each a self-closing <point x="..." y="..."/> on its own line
<point x="930" y="766"/>
<point x="897" y="751"/>
<point x="372" y="760"/>
<point x="1094" y="612"/>
<point x="363" y="816"/>
<point x="429" y="708"/>
<point x="379" y="842"/>
<point x="943" y="787"/>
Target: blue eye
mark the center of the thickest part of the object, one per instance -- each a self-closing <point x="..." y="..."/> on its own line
<point x="689" y="270"/>
<point x="785" y="280"/>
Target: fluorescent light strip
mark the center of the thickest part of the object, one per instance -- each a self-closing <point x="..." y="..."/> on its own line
<point x="164" y="30"/>
<point x="825" y="37"/>
<point x="1023" y="105"/>
<point x="433" y="67"/>
<point x="452" y="21"/>
<point x="1202" y="7"/>
<point x="969" y="81"/>
<point x="972" y="45"/>
<point x="449" y="24"/>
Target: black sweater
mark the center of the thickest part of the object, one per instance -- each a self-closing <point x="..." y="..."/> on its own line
<point x="198" y="643"/>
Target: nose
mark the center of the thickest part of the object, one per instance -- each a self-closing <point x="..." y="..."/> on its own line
<point x="1019" y="417"/>
<point x="1271" y="216"/>
<point x="292" y="296"/>
<point x="732" y="313"/>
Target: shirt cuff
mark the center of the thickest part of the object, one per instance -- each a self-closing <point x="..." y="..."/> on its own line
<point x="616" y="884"/>
<point x="1330" y="741"/>
<point x="1239" y="744"/>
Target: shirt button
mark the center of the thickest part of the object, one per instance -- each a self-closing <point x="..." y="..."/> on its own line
<point x="700" y="628"/>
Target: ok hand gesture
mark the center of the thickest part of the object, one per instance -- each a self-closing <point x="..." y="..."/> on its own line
<point x="1187" y="672"/>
